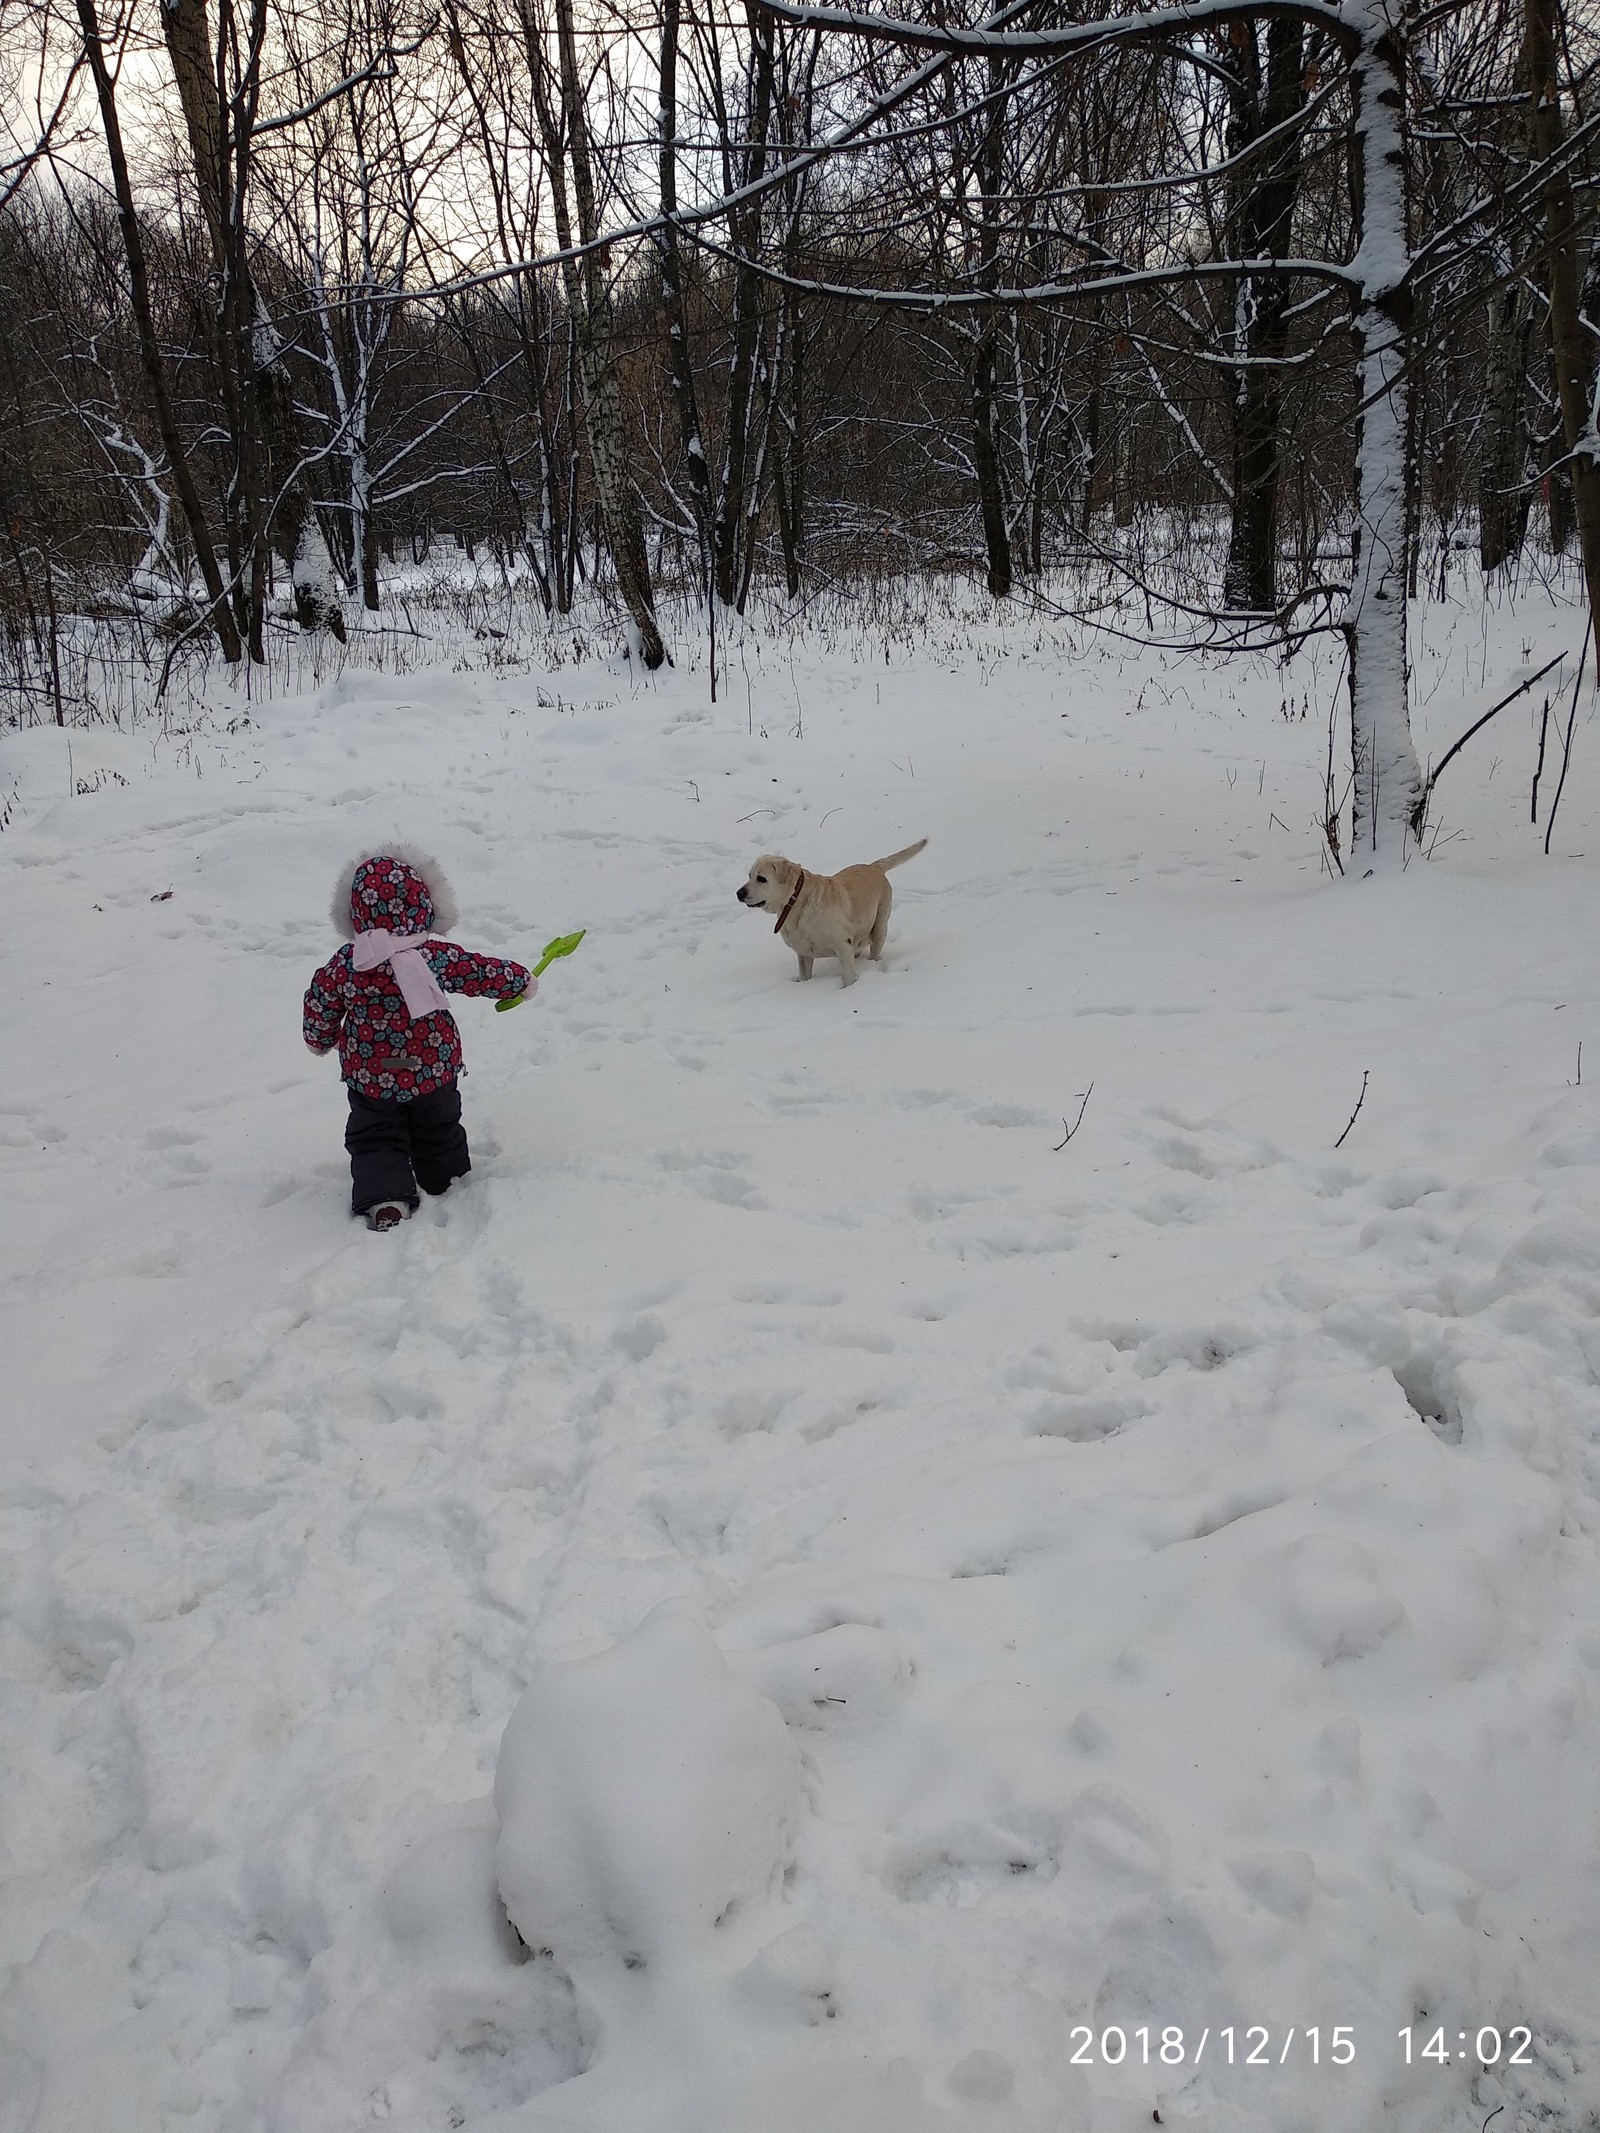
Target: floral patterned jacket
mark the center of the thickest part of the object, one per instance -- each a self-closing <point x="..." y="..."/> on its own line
<point x="382" y="1051"/>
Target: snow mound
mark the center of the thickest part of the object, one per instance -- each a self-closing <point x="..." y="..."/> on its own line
<point x="645" y="1795"/>
<point x="649" y="1803"/>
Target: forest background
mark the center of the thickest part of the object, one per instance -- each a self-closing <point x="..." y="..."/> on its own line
<point x="1224" y="324"/>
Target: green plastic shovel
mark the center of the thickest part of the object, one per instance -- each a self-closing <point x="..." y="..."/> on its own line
<point x="563" y="944"/>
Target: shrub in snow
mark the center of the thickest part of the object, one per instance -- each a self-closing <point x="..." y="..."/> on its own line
<point x="644" y="1795"/>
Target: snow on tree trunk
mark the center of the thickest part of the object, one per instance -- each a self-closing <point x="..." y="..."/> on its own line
<point x="1025" y="518"/>
<point x="156" y="581"/>
<point x="317" y="601"/>
<point x="1387" y="779"/>
<point x="360" y="500"/>
<point x="680" y="367"/>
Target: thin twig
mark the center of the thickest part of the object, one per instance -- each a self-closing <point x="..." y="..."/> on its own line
<point x="1078" y="1121"/>
<point x="1356" y="1113"/>
<point x="1566" y="748"/>
<point x="1538" y="768"/>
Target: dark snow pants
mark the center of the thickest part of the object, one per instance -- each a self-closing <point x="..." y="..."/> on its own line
<point x="395" y="1147"/>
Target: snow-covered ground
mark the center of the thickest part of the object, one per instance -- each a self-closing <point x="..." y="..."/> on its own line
<point x="981" y="1598"/>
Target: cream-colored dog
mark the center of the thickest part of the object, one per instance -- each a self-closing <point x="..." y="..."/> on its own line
<point x="844" y="914"/>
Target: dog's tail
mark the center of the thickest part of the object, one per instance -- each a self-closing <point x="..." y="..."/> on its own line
<point x="898" y="859"/>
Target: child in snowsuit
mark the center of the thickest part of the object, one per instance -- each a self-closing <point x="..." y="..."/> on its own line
<point x="381" y="999"/>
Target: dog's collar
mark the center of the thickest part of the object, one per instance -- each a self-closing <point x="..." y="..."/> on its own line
<point x="789" y="906"/>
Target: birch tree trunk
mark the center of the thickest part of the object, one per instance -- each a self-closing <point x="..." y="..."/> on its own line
<point x="790" y="404"/>
<point x="985" y="367"/>
<point x="679" y="367"/>
<point x="1026" y="520"/>
<point x="1387" y="779"/>
<point x="789" y="456"/>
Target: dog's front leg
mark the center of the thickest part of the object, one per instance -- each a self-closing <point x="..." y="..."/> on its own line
<point x="847" y="963"/>
<point x="805" y="962"/>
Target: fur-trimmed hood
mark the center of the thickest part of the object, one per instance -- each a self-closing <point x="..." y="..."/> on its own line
<point x="396" y="888"/>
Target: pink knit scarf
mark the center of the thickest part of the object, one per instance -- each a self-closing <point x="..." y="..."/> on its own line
<point x="402" y="952"/>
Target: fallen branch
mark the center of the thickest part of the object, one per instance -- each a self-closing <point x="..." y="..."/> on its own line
<point x="1078" y="1121"/>
<point x="1356" y="1113"/>
<point x="1419" y="813"/>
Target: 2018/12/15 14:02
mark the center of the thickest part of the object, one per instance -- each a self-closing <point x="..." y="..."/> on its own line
<point x="1170" y="2046"/>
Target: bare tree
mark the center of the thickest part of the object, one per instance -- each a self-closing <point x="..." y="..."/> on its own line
<point x="589" y="300"/>
<point x="221" y="618"/>
<point x="493" y="70"/>
<point x="1266" y="98"/>
<point x="1570" y="335"/>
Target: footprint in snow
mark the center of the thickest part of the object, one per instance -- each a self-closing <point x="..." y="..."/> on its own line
<point x="847" y="1676"/>
<point x="1337" y="1599"/>
<point x="962" y="1866"/>
<point x="786" y="1293"/>
<point x="715" y="1177"/>
<point x="1087" y="1420"/>
<point x="1007" y="1116"/>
